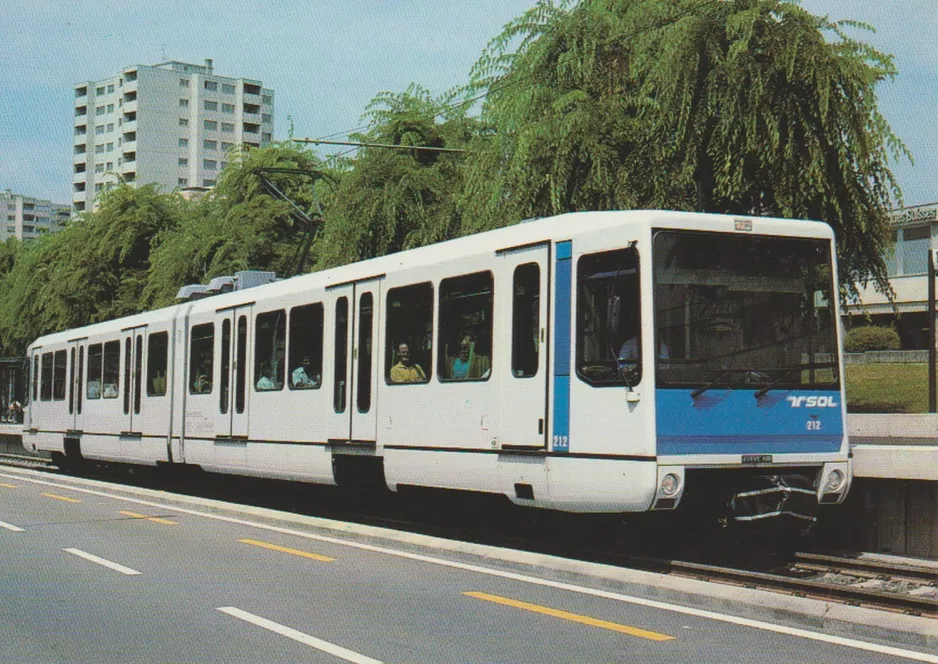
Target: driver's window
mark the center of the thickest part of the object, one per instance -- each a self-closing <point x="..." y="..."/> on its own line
<point x="608" y="318"/>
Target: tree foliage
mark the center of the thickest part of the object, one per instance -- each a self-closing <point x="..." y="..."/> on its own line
<point x="93" y="270"/>
<point x="742" y="106"/>
<point x="388" y="200"/>
<point x="240" y="225"/>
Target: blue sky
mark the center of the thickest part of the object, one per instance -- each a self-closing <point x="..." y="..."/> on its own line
<point x="326" y="60"/>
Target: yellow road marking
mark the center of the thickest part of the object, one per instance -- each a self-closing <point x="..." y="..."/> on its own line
<point x="295" y="552"/>
<point x="65" y="498"/>
<point x="7" y="486"/>
<point x="154" y="519"/>
<point x="565" y="615"/>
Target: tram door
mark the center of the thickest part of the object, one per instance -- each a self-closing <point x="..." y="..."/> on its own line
<point x="232" y="352"/>
<point x="521" y="315"/>
<point x="76" y="372"/>
<point x="354" y="310"/>
<point x="131" y="380"/>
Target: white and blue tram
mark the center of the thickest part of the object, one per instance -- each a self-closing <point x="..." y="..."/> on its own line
<point x="589" y="362"/>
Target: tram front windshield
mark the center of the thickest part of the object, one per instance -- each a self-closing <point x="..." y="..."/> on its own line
<point x="744" y="311"/>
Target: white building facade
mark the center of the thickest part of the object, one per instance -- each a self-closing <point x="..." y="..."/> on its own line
<point x="26" y="217"/>
<point x="172" y="124"/>
<point x="914" y="234"/>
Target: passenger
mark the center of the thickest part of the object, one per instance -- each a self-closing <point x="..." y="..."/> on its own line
<point x="629" y="352"/>
<point x="404" y="371"/>
<point x="94" y="389"/>
<point x="468" y="365"/>
<point x="265" y="382"/>
<point x="110" y="391"/>
<point x="203" y="384"/>
<point x="303" y="376"/>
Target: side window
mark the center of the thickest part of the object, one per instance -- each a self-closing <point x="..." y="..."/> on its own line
<point x="112" y="364"/>
<point x="128" y="349"/>
<point x="157" y="350"/>
<point x="95" y="366"/>
<point x="36" y="377"/>
<point x="241" y="371"/>
<point x="59" y="375"/>
<point x="525" y="320"/>
<point x="71" y="369"/>
<point x="81" y="374"/>
<point x="409" y="334"/>
<point x="608" y="325"/>
<point x="306" y="330"/>
<point x="45" y="380"/>
<point x="341" y="353"/>
<point x="225" y="373"/>
<point x="464" y="350"/>
<point x="201" y="358"/>
<point x="270" y="339"/>
<point x="365" y="324"/>
<point x="138" y="371"/>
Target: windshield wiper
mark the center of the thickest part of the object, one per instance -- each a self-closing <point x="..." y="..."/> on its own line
<point x="789" y="371"/>
<point x="706" y="386"/>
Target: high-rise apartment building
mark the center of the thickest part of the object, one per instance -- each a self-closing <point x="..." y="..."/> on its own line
<point x="171" y="123"/>
<point x="26" y="217"/>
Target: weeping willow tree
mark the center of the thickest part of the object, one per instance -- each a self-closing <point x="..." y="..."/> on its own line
<point x="736" y="106"/>
<point x="392" y="199"/>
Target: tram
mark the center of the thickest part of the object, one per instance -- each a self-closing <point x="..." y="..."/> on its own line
<point x="598" y="362"/>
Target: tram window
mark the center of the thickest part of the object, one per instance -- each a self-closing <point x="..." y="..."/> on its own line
<point x="112" y="362"/>
<point x="157" y="346"/>
<point x="95" y="366"/>
<point x="270" y="334"/>
<point x="365" y="325"/>
<point x="306" y="331"/>
<point x="45" y="382"/>
<point x="409" y="357"/>
<point x="128" y="349"/>
<point x="225" y="373"/>
<point x="36" y="377"/>
<point x="241" y="371"/>
<point x="59" y="375"/>
<point x="71" y="369"/>
<point x="526" y="320"/>
<point x="201" y="358"/>
<point x="608" y="326"/>
<point x="138" y="372"/>
<point x="464" y="350"/>
<point x="341" y="353"/>
<point x="81" y="375"/>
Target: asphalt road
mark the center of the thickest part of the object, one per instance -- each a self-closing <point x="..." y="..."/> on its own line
<point x="90" y="573"/>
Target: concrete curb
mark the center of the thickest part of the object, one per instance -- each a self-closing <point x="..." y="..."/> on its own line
<point x="800" y="612"/>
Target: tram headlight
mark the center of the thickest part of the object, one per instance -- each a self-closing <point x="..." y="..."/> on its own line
<point x="835" y="481"/>
<point x="670" y="483"/>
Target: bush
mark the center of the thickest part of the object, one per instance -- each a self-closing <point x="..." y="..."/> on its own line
<point x="871" y="337"/>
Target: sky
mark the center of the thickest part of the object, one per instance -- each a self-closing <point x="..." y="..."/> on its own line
<point x="326" y="60"/>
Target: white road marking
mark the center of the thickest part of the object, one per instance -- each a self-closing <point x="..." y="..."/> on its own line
<point x="101" y="561"/>
<point x="10" y="526"/>
<point x="305" y="639"/>
<point x="639" y="601"/>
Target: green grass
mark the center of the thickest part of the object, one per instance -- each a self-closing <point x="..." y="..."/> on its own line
<point x="887" y="388"/>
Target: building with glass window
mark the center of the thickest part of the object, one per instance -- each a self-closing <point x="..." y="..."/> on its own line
<point x="172" y="124"/>
<point x="915" y="232"/>
<point x="27" y="217"/>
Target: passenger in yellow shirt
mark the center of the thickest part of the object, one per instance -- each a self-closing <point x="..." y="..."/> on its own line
<point x="404" y="371"/>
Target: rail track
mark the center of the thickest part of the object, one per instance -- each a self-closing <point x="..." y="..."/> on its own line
<point x="894" y="585"/>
